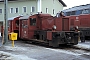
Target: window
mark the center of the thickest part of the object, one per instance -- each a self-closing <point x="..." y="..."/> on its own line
<point x="53" y="11"/>
<point x="33" y="21"/>
<point x="11" y="10"/>
<point x="24" y="9"/>
<point x="24" y="23"/>
<point x="85" y="11"/>
<point x="17" y="23"/>
<point x="73" y="12"/>
<point x="32" y="9"/>
<point x="16" y="11"/>
<point x="78" y="12"/>
<point x="0" y="11"/>
<point x="46" y="10"/>
<point x="68" y="13"/>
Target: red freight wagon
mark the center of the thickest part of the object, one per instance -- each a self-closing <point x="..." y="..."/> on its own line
<point x="83" y="23"/>
<point x="13" y="24"/>
<point x="85" y="20"/>
<point x="74" y="21"/>
<point x="48" y="29"/>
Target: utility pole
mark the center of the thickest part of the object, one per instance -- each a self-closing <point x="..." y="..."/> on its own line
<point x="5" y="21"/>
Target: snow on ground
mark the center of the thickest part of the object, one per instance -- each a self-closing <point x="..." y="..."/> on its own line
<point x="24" y="57"/>
<point x="8" y="56"/>
<point x="85" y="45"/>
<point x="64" y="51"/>
<point x="13" y="57"/>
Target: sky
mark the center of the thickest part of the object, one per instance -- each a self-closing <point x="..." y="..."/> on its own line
<point x="72" y="3"/>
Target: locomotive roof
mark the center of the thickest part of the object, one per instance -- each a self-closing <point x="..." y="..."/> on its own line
<point x="42" y="14"/>
<point x="12" y="18"/>
<point x="81" y="7"/>
<point x="27" y="16"/>
<point x="24" y="17"/>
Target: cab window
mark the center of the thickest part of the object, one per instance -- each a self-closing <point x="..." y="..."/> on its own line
<point x="17" y="23"/>
<point x="24" y="24"/>
<point x="33" y="21"/>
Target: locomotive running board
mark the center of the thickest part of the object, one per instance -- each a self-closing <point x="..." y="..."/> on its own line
<point x="38" y="40"/>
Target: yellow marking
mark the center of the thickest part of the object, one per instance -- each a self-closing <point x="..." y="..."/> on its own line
<point x="13" y="43"/>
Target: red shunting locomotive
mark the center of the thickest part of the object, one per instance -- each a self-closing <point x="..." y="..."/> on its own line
<point x="48" y="29"/>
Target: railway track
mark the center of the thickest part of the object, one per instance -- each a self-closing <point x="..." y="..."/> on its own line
<point x="72" y="50"/>
<point x="68" y="49"/>
<point x="42" y="48"/>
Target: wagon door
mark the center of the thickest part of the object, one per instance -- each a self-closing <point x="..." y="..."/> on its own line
<point x="24" y="32"/>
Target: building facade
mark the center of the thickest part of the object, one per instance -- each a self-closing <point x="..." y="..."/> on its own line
<point x="27" y="7"/>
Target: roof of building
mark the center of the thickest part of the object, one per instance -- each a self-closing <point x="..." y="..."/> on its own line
<point x="81" y="7"/>
<point x="62" y="3"/>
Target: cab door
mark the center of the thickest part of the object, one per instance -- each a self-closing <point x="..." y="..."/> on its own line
<point x="24" y="29"/>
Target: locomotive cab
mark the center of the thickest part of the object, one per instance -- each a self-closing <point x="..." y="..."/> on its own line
<point x="28" y="24"/>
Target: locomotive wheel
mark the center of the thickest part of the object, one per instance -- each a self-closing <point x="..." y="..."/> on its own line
<point x="53" y="44"/>
<point x="62" y="34"/>
<point x="50" y="43"/>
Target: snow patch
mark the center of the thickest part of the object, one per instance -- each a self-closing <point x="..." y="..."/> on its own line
<point x="64" y="51"/>
<point x="0" y="34"/>
<point x="83" y="46"/>
<point x="22" y="57"/>
<point x="14" y="48"/>
<point x="16" y="57"/>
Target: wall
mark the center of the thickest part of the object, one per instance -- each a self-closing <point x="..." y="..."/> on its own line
<point x="51" y="5"/>
<point x="20" y="5"/>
